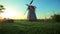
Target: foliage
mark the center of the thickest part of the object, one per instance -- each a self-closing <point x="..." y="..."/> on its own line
<point x="1" y="8"/>
<point x="56" y="17"/>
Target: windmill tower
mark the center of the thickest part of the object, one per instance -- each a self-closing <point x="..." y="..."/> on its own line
<point x="31" y="12"/>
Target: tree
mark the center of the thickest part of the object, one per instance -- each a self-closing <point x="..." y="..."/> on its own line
<point x="56" y="17"/>
<point x="1" y="9"/>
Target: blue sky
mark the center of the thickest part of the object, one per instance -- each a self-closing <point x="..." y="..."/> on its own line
<point x="44" y="8"/>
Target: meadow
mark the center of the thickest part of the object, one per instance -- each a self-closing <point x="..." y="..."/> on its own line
<point x="30" y="27"/>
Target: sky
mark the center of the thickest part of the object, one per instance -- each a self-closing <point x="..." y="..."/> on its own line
<point x="15" y="9"/>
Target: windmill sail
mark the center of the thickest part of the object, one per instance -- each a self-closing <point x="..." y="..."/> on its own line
<point x="31" y="2"/>
<point x="28" y="6"/>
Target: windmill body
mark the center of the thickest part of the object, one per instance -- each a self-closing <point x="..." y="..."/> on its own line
<point x="31" y="13"/>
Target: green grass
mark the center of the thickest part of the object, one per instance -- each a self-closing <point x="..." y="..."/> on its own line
<point x="30" y="27"/>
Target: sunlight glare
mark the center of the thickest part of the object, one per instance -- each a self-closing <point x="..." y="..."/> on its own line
<point x="9" y="13"/>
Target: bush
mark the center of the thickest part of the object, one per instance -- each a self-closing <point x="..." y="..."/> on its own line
<point x="56" y="17"/>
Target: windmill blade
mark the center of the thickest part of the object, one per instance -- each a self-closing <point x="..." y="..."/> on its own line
<point x="31" y="2"/>
<point x="25" y="11"/>
<point x="28" y="6"/>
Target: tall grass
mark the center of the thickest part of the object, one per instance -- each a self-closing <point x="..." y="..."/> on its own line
<point x="30" y="27"/>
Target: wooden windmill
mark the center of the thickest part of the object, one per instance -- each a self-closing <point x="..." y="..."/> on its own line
<point x="31" y="12"/>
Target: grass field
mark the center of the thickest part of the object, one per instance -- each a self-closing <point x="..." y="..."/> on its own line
<point x="30" y="27"/>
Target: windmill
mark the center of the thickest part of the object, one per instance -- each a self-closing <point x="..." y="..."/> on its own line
<point x="31" y="12"/>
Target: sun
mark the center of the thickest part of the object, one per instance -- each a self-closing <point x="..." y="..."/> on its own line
<point x="9" y="13"/>
<point x="13" y="13"/>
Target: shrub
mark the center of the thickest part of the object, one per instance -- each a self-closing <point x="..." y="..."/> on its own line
<point x="56" y="17"/>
